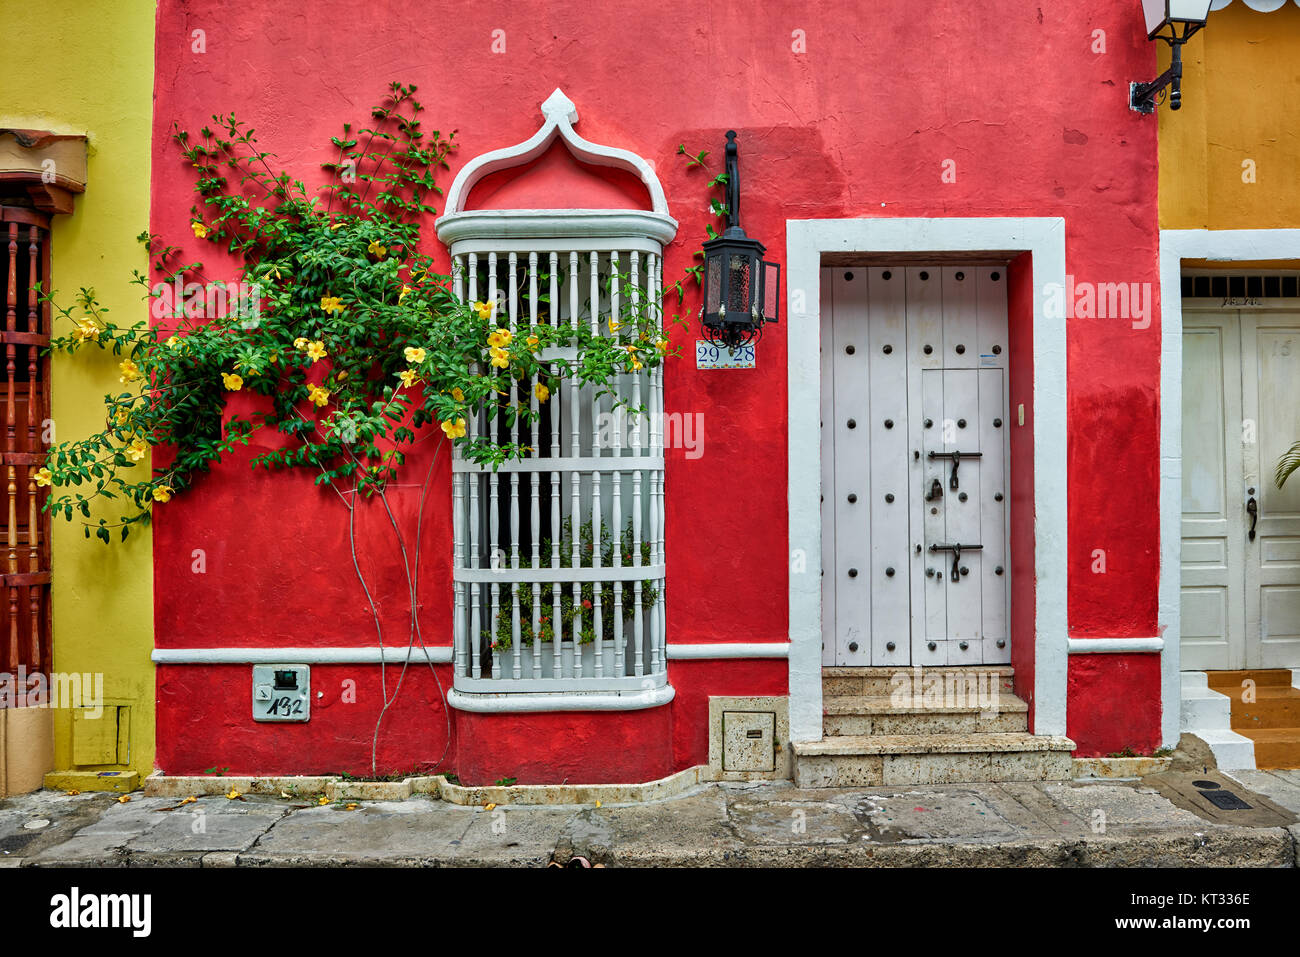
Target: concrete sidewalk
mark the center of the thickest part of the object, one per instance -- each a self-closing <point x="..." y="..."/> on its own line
<point x="1159" y="821"/>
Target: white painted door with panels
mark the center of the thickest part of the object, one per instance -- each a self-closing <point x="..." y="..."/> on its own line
<point x="1240" y="532"/>
<point x="914" y="465"/>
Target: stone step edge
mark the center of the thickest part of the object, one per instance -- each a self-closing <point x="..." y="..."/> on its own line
<point x="840" y="705"/>
<point x="837" y="671"/>
<point x="857" y="745"/>
<point x="335" y="788"/>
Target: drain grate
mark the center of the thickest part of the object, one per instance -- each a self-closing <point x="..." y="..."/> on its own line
<point x="1208" y="785"/>
<point x="1225" y="800"/>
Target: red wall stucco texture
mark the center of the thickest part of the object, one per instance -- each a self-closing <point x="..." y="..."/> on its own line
<point x="843" y="110"/>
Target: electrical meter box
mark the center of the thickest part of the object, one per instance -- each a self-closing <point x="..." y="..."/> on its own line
<point x="281" y="693"/>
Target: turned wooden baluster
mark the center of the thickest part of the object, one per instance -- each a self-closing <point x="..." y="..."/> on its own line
<point x="34" y="390"/>
<point x="11" y="327"/>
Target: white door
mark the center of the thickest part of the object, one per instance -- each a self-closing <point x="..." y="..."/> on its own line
<point x="914" y="456"/>
<point x="1241" y="534"/>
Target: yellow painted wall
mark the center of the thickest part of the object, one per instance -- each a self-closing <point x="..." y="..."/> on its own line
<point x="86" y="66"/>
<point x="1239" y="103"/>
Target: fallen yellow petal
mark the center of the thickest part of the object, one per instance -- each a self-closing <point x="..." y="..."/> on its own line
<point x="597" y="804"/>
<point x="71" y="793"/>
<point x="232" y="795"/>
<point x="490" y="806"/>
<point x="323" y="800"/>
<point x="125" y="798"/>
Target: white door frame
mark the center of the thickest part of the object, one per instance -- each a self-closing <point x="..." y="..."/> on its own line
<point x="806" y="241"/>
<point x="1222" y="245"/>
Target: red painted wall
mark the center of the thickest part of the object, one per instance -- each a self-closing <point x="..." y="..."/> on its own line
<point x="1111" y="706"/>
<point x="858" y="125"/>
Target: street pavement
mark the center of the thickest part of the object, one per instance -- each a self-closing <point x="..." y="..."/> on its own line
<point x="1161" y="820"/>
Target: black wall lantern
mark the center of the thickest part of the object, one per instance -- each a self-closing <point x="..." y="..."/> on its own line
<point x="1159" y="14"/>
<point x="741" y="291"/>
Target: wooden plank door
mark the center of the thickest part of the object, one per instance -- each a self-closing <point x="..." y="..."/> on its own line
<point x="913" y="362"/>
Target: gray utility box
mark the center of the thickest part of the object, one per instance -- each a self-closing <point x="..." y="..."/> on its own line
<point x="281" y="693"/>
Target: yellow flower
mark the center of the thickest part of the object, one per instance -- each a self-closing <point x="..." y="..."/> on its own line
<point x="414" y="354"/>
<point x="457" y="394"/>
<point x="121" y="416"/>
<point x="124" y="799"/>
<point x="613" y="324"/>
<point x="488" y="807"/>
<point x="404" y="292"/>
<point x="662" y="346"/>
<point x="173" y="342"/>
<point x="454" y="430"/>
<point x="407" y="376"/>
<point x="300" y="343"/>
<point x="377" y="249"/>
<point x="44" y="477"/>
<point x="484" y="309"/>
<point x="323" y="801"/>
<point x="232" y="381"/>
<point x="500" y="339"/>
<point x="541" y="392"/>
<point x="200" y="231"/>
<point x="331" y="303"/>
<point x="532" y="342"/>
<point x="500" y="358"/>
<point x="137" y="450"/>
<point x="318" y="394"/>
<point x="162" y="493"/>
<point x="316" y="350"/>
<point x="234" y="793"/>
<point x="86" y="329"/>
<point x="130" y="371"/>
<point x="73" y="793"/>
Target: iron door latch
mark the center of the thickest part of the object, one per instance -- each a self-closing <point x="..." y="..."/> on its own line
<point x="956" y="548"/>
<point x="956" y="463"/>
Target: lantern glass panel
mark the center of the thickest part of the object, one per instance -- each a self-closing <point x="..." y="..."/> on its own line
<point x="771" y="291"/>
<point x="712" y="284"/>
<point x="739" y="283"/>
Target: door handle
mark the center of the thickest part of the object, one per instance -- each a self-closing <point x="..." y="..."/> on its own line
<point x="1252" y="509"/>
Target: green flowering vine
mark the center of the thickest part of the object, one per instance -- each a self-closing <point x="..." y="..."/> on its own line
<point x="338" y="325"/>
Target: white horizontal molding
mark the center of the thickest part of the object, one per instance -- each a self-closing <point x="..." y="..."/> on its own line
<point x="545" y="574"/>
<point x="1115" y="646"/>
<point x="560" y="701"/>
<point x="556" y="230"/>
<point x="439" y="655"/>
<point x="1259" y="6"/>
<point x="721" y="650"/>
<point x="605" y="464"/>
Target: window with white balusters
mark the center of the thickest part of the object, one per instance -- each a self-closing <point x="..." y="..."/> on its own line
<point x="559" y="554"/>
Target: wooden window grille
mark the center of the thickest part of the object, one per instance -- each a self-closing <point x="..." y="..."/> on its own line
<point x="25" y="610"/>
